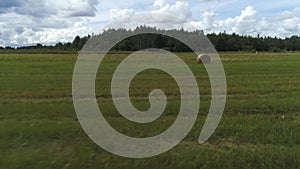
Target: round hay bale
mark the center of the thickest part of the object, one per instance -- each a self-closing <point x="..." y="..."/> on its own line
<point x="203" y="59"/>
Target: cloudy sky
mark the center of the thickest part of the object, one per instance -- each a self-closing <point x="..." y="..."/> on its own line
<point x="25" y="22"/>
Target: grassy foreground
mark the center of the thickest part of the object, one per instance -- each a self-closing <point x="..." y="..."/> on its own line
<point x="260" y="127"/>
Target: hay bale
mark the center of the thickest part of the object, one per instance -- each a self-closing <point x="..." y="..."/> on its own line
<point x="203" y="59"/>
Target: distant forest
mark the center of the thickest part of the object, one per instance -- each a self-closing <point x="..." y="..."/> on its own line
<point x="222" y="42"/>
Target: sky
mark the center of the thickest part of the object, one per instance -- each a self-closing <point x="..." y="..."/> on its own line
<point x="28" y="22"/>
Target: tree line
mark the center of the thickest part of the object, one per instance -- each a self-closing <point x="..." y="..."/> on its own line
<point x="221" y="41"/>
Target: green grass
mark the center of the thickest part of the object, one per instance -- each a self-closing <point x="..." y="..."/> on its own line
<point x="259" y="128"/>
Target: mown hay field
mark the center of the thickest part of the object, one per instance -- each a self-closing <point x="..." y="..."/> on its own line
<point x="260" y="127"/>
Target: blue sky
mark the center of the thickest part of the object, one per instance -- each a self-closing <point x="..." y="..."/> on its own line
<point x="24" y="22"/>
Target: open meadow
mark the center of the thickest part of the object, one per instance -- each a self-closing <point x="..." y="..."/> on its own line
<point x="260" y="127"/>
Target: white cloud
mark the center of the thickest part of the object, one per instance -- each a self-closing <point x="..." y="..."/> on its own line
<point x="159" y="3"/>
<point x="79" y="8"/>
<point x="291" y="25"/>
<point x="206" y="23"/>
<point x="248" y="22"/>
<point x="115" y="14"/>
<point x="47" y="35"/>
<point x="45" y="22"/>
<point x="28" y="22"/>
<point x="24" y="30"/>
<point x="245" y="23"/>
<point x="51" y="35"/>
<point x="249" y="12"/>
<point x="208" y="20"/>
<point x="161" y="15"/>
<point x="180" y="9"/>
<point x="266" y="28"/>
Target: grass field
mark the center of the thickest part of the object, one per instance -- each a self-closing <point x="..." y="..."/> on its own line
<point x="260" y="127"/>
